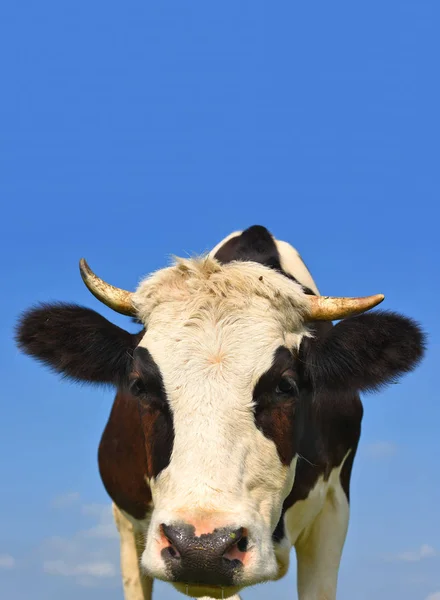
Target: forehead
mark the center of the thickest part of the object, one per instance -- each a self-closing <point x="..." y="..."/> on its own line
<point x="219" y="322"/>
<point x="215" y="348"/>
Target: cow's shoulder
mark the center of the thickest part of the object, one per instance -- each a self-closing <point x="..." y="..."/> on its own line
<point x="315" y="486"/>
<point x="302" y="513"/>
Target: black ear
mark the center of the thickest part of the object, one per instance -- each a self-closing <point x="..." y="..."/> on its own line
<point x="77" y="342"/>
<point x="365" y="352"/>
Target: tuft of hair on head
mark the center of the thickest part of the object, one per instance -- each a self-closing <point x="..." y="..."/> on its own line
<point x="204" y="280"/>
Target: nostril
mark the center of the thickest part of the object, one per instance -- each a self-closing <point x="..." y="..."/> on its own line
<point x="166" y="535"/>
<point x="237" y="549"/>
<point x="242" y="544"/>
<point x="172" y="552"/>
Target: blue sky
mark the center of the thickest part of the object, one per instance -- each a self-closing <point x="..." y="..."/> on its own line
<point x="132" y="131"/>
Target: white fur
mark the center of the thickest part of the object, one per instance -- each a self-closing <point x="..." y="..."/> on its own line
<point x="213" y="330"/>
<point x="203" y="285"/>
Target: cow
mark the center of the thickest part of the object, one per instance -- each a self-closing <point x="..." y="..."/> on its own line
<point x="237" y="413"/>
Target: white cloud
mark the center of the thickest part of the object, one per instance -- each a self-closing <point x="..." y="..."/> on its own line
<point x="434" y="596"/>
<point x="90" y="557"/>
<point x="66" y="500"/>
<point x="425" y="551"/>
<point x="102" y="530"/>
<point x="93" y="569"/>
<point x="381" y="449"/>
<point x="7" y="561"/>
<point x="97" y="510"/>
<point x="105" y="528"/>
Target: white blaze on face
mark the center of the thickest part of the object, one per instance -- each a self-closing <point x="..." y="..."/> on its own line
<point x="213" y="331"/>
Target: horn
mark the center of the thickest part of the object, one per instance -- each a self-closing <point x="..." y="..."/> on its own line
<point x="113" y="297"/>
<point x="329" y="308"/>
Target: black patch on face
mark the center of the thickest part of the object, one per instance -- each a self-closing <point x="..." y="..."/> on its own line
<point x="145" y="380"/>
<point x="276" y="405"/>
<point x="146" y="384"/>
<point x="254" y="244"/>
<point x="77" y="342"/>
<point x="200" y="560"/>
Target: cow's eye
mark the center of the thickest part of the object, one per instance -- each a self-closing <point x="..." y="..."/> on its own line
<point x="286" y="386"/>
<point x="137" y="387"/>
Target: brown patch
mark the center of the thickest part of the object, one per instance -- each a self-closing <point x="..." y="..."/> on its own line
<point x="121" y="458"/>
<point x="135" y="446"/>
<point x="278" y="424"/>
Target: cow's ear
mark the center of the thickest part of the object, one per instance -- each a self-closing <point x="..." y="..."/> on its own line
<point x="365" y="352"/>
<point x="77" y="342"/>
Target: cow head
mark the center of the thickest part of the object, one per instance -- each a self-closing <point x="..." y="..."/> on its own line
<point x="221" y="374"/>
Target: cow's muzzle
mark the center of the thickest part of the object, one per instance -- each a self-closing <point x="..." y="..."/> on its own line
<point x="215" y="558"/>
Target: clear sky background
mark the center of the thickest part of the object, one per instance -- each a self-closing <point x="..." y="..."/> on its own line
<point x="132" y="131"/>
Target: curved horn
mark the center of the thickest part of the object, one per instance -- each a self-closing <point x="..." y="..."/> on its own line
<point x="329" y="308"/>
<point x="113" y="297"/>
